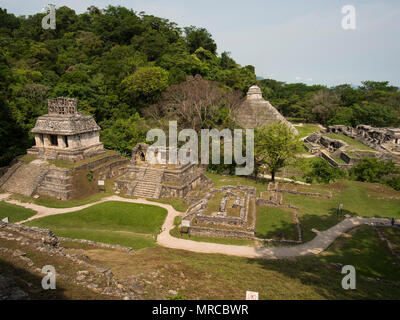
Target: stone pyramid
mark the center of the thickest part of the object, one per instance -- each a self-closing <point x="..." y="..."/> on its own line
<point x="256" y="112"/>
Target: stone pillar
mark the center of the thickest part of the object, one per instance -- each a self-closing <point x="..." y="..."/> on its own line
<point x="38" y="140"/>
<point x="61" y="142"/>
<point x="74" y="141"/>
<point x="46" y="140"/>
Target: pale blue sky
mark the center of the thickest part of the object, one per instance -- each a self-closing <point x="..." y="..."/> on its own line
<point x="287" y="40"/>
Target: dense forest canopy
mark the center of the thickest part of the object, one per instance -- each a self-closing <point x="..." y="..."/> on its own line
<point x="118" y="62"/>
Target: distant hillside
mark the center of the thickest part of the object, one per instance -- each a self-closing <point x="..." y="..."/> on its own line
<point x="115" y="61"/>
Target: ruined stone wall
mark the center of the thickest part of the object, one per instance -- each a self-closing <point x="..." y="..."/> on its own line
<point x="181" y="175"/>
<point x="57" y="183"/>
<point x="225" y="221"/>
<point x="195" y="216"/>
<point x="171" y="191"/>
<point x="221" y="233"/>
<point x="89" y="138"/>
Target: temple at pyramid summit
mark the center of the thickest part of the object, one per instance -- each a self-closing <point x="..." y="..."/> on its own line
<point x="256" y="112"/>
<point x="66" y="134"/>
<point x="67" y="159"/>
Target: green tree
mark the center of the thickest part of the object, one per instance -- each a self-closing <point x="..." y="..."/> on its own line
<point x="13" y="138"/>
<point x="276" y="146"/>
<point x="124" y="134"/>
<point x="375" y="114"/>
<point x="372" y="170"/>
<point x="323" y="172"/>
<point x="199" y="38"/>
<point x="146" y="82"/>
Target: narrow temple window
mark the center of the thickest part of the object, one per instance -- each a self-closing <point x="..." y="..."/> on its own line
<point x="54" y="140"/>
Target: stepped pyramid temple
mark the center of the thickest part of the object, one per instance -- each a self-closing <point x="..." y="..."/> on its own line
<point x="256" y="112"/>
<point x="68" y="160"/>
<point x="67" y="150"/>
<point x="147" y="177"/>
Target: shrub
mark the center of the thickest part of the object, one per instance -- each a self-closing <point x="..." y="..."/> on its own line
<point x="372" y="170"/>
<point x="322" y="172"/>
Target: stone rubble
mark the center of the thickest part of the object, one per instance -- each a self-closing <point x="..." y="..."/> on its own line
<point x="45" y="241"/>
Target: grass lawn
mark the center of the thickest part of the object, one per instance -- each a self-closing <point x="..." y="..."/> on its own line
<point x="275" y="223"/>
<point x="213" y="205"/>
<point x="366" y="252"/>
<point x="356" y="197"/>
<point x="358" y="200"/>
<point x="296" y="170"/>
<point x="133" y="225"/>
<point x="214" y="276"/>
<point x="54" y="203"/>
<point x="14" y="213"/>
<point x="353" y="144"/>
<point x="177" y="204"/>
<point x="307" y="129"/>
<point x="127" y="239"/>
<point x="393" y="235"/>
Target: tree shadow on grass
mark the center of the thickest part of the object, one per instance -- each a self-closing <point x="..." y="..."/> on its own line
<point x="325" y="280"/>
<point x="20" y="284"/>
<point x="322" y="273"/>
<point x="283" y="231"/>
<point x="288" y="230"/>
<point x="321" y="222"/>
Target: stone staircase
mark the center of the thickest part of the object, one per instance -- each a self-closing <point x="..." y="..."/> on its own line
<point x="25" y="179"/>
<point x="148" y="184"/>
<point x="57" y="184"/>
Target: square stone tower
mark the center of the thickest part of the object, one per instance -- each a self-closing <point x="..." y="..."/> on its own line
<point x="66" y="134"/>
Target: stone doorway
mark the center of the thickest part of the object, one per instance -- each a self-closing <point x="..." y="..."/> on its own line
<point x="53" y="140"/>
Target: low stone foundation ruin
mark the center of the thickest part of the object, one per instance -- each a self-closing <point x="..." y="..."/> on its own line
<point x="220" y="224"/>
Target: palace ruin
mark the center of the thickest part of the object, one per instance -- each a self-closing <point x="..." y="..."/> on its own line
<point x="381" y="143"/>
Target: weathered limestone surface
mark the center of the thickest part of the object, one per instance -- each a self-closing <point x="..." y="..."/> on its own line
<point x="65" y="134"/>
<point x="380" y="139"/>
<point x="25" y="179"/>
<point x="386" y="142"/>
<point x="146" y="179"/>
<point x="256" y="112"/>
<point x="214" y="225"/>
<point x="62" y="134"/>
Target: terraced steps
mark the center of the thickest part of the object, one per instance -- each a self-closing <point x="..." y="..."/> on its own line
<point x="148" y="184"/>
<point x="25" y="179"/>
